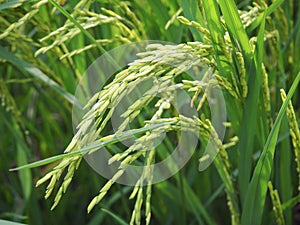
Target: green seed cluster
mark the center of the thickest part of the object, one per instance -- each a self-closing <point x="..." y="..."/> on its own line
<point x="88" y="20"/>
<point x="294" y="132"/>
<point x="160" y="65"/>
<point x="276" y="204"/>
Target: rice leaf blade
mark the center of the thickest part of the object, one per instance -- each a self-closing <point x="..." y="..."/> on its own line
<point x="37" y="74"/>
<point x="267" y="12"/>
<point x="89" y="148"/>
<point x="6" y="222"/>
<point x="114" y="216"/>
<point x="257" y="191"/>
<point x="248" y="125"/>
<point x="191" y="12"/>
<point x="234" y="24"/>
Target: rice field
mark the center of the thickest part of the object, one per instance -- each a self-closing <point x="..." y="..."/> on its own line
<point x="150" y="112"/>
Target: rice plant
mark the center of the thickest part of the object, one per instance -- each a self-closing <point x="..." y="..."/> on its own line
<point x="243" y="169"/>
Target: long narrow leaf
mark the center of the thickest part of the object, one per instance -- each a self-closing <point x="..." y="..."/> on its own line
<point x="234" y="24"/>
<point x="191" y="11"/>
<point x="93" y="146"/>
<point x="268" y="12"/>
<point x="77" y="24"/>
<point x="36" y="73"/>
<point x="116" y="217"/>
<point x="248" y="125"/>
<point x="84" y="31"/>
<point x="257" y="191"/>
<point x="6" y="222"/>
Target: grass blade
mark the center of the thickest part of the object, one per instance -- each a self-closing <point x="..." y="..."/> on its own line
<point x="196" y="203"/>
<point x="85" y="32"/>
<point x="77" y="24"/>
<point x="290" y="203"/>
<point x="116" y="217"/>
<point x="191" y="12"/>
<point x="6" y="222"/>
<point x="25" y="175"/>
<point x="234" y="24"/>
<point x="257" y="191"/>
<point x="92" y="146"/>
<point x="11" y="4"/>
<point x="267" y="12"/>
<point x="248" y="126"/>
<point x="217" y="32"/>
<point x="36" y="73"/>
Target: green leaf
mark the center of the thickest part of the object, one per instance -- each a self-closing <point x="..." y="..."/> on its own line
<point x="84" y="31"/>
<point x="290" y="203"/>
<point x="217" y="33"/>
<point x="93" y="146"/>
<point x="116" y="217"/>
<point x="77" y="24"/>
<point x="267" y="12"/>
<point x="25" y="175"/>
<point x="6" y="222"/>
<point x="10" y="4"/>
<point x="234" y="24"/>
<point x="248" y="125"/>
<point x="257" y="190"/>
<point x="191" y="12"/>
<point x="196" y="204"/>
<point x="37" y="74"/>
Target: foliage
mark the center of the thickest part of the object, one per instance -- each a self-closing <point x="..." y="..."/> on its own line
<point x="251" y="50"/>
